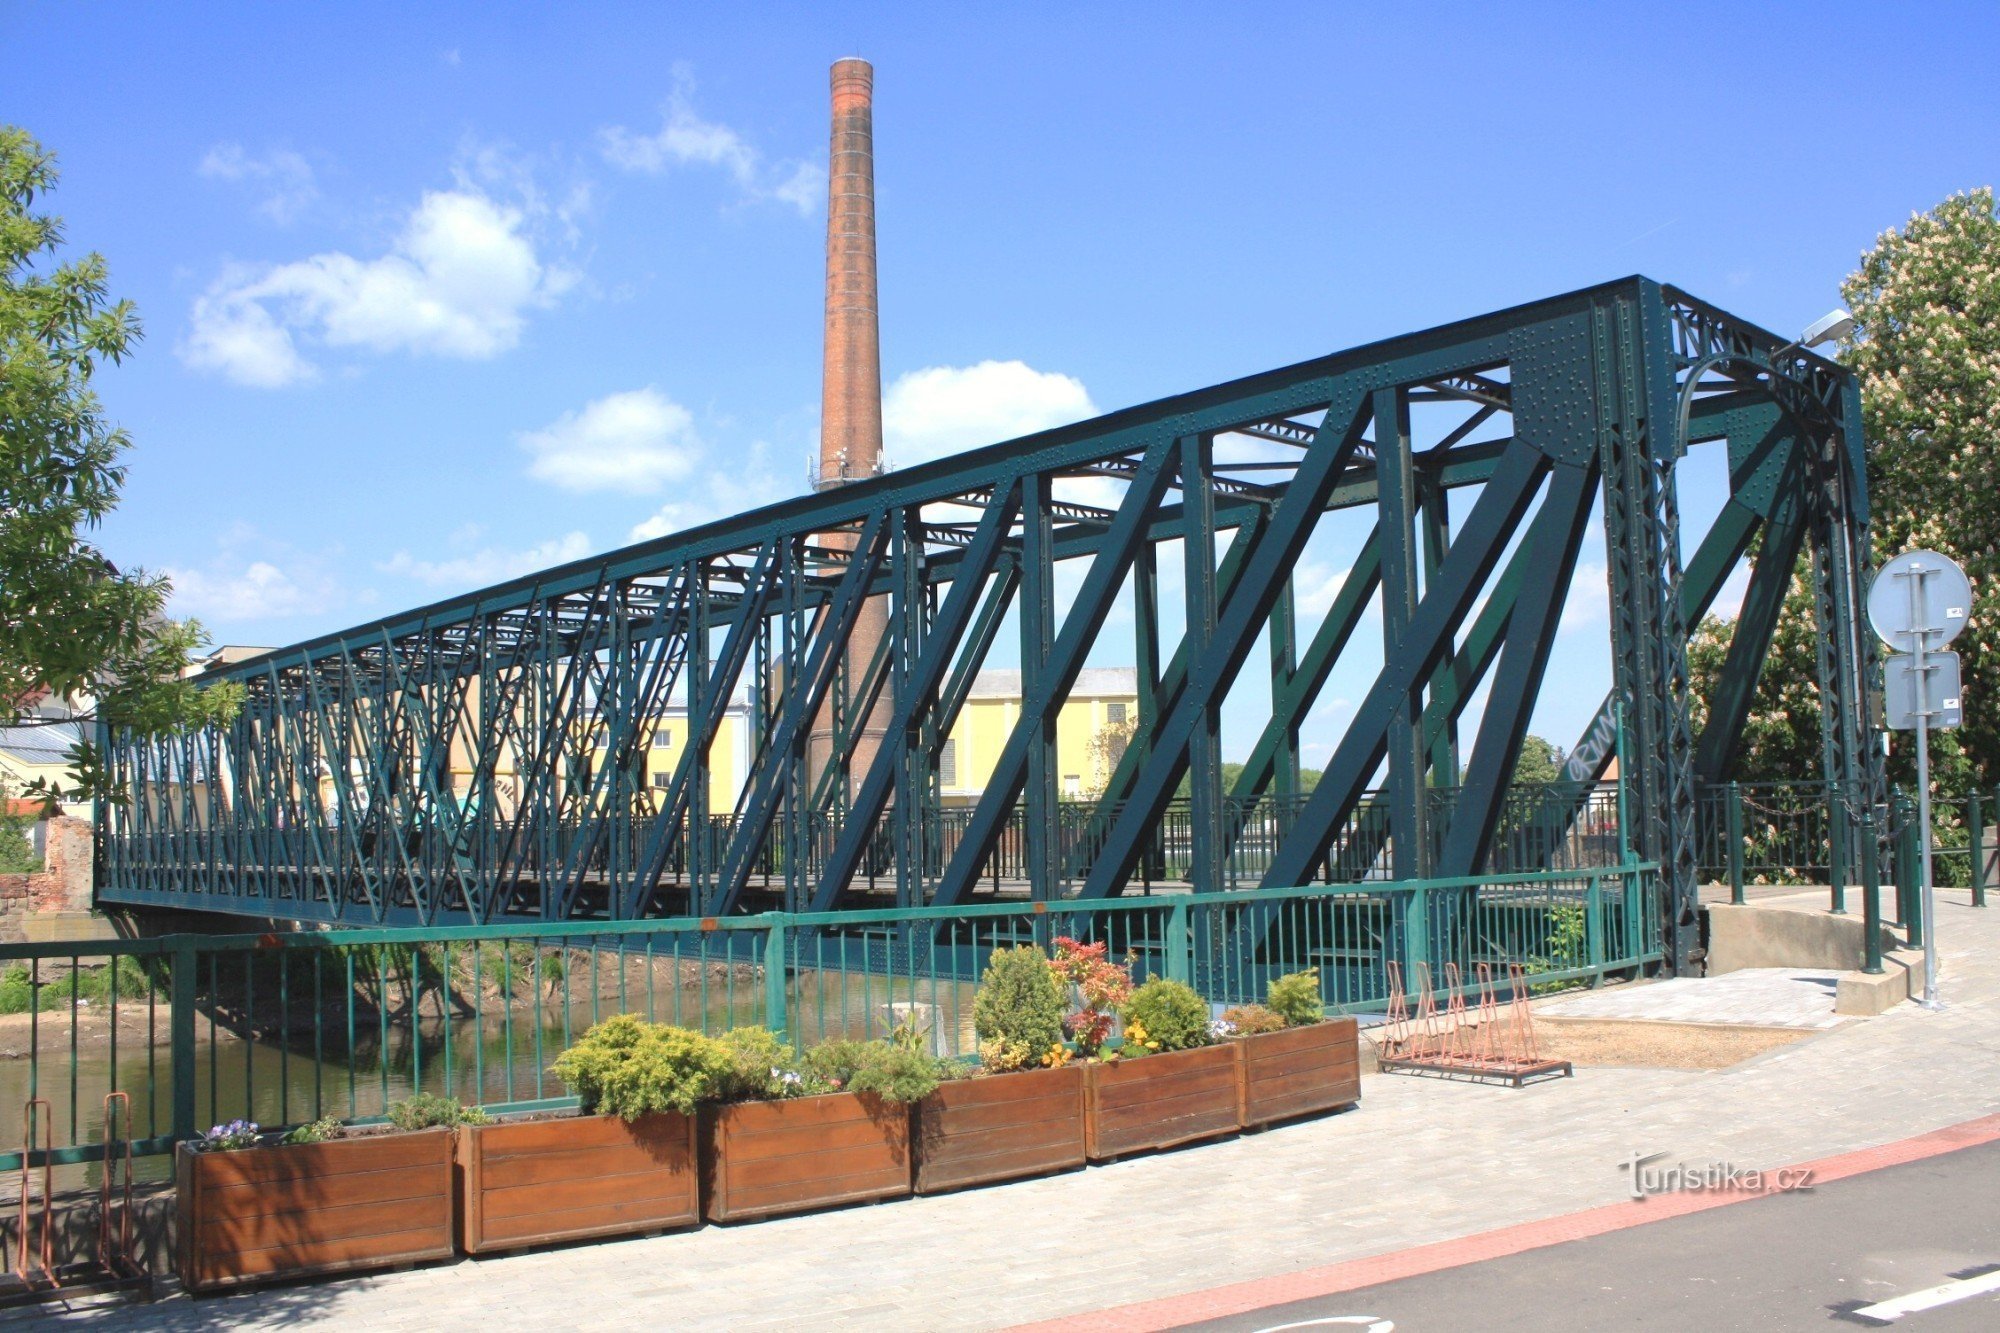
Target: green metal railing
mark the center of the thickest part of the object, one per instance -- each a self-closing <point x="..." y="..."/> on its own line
<point x="1806" y="833"/>
<point x="286" y="1028"/>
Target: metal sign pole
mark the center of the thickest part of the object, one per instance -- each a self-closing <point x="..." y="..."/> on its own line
<point x="1920" y="637"/>
<point x="1922" y="600"/>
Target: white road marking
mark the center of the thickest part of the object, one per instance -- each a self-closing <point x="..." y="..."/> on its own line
<point x="1932" y="1297"/>
<point x="1364" y="1321"/>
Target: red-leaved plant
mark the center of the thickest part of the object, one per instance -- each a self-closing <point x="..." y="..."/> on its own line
<point x="1102" y="985"/>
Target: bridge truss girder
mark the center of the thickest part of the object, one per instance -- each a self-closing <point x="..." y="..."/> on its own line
<point x="483" y="759"/>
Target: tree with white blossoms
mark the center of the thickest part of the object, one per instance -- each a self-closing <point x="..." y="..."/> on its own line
<point x="1926" y="344"/>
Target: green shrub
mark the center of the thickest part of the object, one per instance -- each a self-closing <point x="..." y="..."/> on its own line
<point x="427" y="1110"/>
<point x="1018" y="1011"/>
<point x="17" y="993"/>
<point x="897" y="1073"/>
<point x="763" y="1068"/>
<point x="627" y="1067"/>
<point x="316" y="1131"/>
<point x="835" y="1063"/>
<point x="1294" y="997"/>
<point x="1248" y="1020"/>
<point x="896" y="1070"/>
<point x="1165" y="1015"/>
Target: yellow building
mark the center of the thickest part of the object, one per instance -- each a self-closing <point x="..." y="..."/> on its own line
<point x="1091" y="730"/>
<point x="35" y="746"/>
<point x="666" y="744"/>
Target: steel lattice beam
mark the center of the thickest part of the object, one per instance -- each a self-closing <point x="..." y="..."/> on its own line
<point x="485" y="758"/>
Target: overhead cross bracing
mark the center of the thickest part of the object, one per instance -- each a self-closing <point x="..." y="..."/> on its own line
<point x="483" y="758"/>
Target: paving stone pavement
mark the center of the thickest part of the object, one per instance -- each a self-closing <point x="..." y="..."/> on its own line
<point x="1779" y="997"/>
<point x="1419" y="1161"/>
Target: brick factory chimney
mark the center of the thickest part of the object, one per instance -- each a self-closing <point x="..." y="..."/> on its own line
<point x="850" y="441"/>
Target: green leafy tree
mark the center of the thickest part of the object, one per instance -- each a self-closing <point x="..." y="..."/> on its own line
<point x="1926" y="345"/>
<point x="1540" y="762"/>
<point x="71" y="624"/>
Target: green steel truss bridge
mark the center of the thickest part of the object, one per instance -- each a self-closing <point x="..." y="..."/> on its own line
<point x="1475" y="456"/>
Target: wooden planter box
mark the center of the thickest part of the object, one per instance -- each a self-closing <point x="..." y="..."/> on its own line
<point x="1299" y="1071"/>
<point x="978" y="1130"/>
<point x="535" y="1182"/>
<point x="1158" y="1101"/>
<point x="287" y="1212"/>
<point x="762" y="1158"/>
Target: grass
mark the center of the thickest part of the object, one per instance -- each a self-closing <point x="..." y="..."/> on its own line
<point x="18" y="994"/>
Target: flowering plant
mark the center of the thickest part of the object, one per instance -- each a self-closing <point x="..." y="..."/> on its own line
<point x="1102" y="985"/>
<point x="232" y="1137"/>
<point x="1248" y="1020"/>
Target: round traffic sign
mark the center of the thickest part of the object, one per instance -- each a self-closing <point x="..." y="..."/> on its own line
<point x="1919" y="590"/>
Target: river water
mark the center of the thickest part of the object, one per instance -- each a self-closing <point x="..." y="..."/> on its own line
<point x="492" y="1059"/>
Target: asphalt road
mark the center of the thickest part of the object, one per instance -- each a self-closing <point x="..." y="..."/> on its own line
<point x="1805" y="1260"/>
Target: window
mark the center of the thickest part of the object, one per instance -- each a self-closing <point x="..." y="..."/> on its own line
<point x="1115" y="714"/>
<point x="600" y="738"/>
<point x="1072" y="784"/>
<point x="948" y="764"/>
<point x="662" y="780"/>
<point x="663" y="739"/>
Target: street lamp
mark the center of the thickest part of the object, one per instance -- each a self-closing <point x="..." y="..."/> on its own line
<point x="1826" y="329"/>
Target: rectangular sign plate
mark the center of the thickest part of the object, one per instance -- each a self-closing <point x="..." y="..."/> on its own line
<point x="1902" y="698"/>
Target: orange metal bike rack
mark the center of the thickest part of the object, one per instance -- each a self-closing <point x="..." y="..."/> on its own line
<point x="24" y="1269"/>
<point x="114" y="1253"/>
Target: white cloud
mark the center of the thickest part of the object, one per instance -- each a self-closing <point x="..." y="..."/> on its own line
<point x="257" y="577"/>
<point x="254" y="593"/>
<point x="253" y="577"/>
<point x="458" y="283"/>
<point x="685" y="139"/>
<point x="243" y="340"/>
<point x="1338" y="709"/>
<point x="635" y="441"/>
<point x="943" y="409"/>
<point x="478" y="566"/>
<point x="284" y="176"/>
<point x="495" y="168"/>
<point x="669" y="518"/>
<point x="1316" y="583"/>
<point x="1589" y="601"/>
<point x="745" y="481"/>
<point x="803" y="188"/>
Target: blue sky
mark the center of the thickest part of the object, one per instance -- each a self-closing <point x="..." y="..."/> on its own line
<point x="405" y="274"/>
